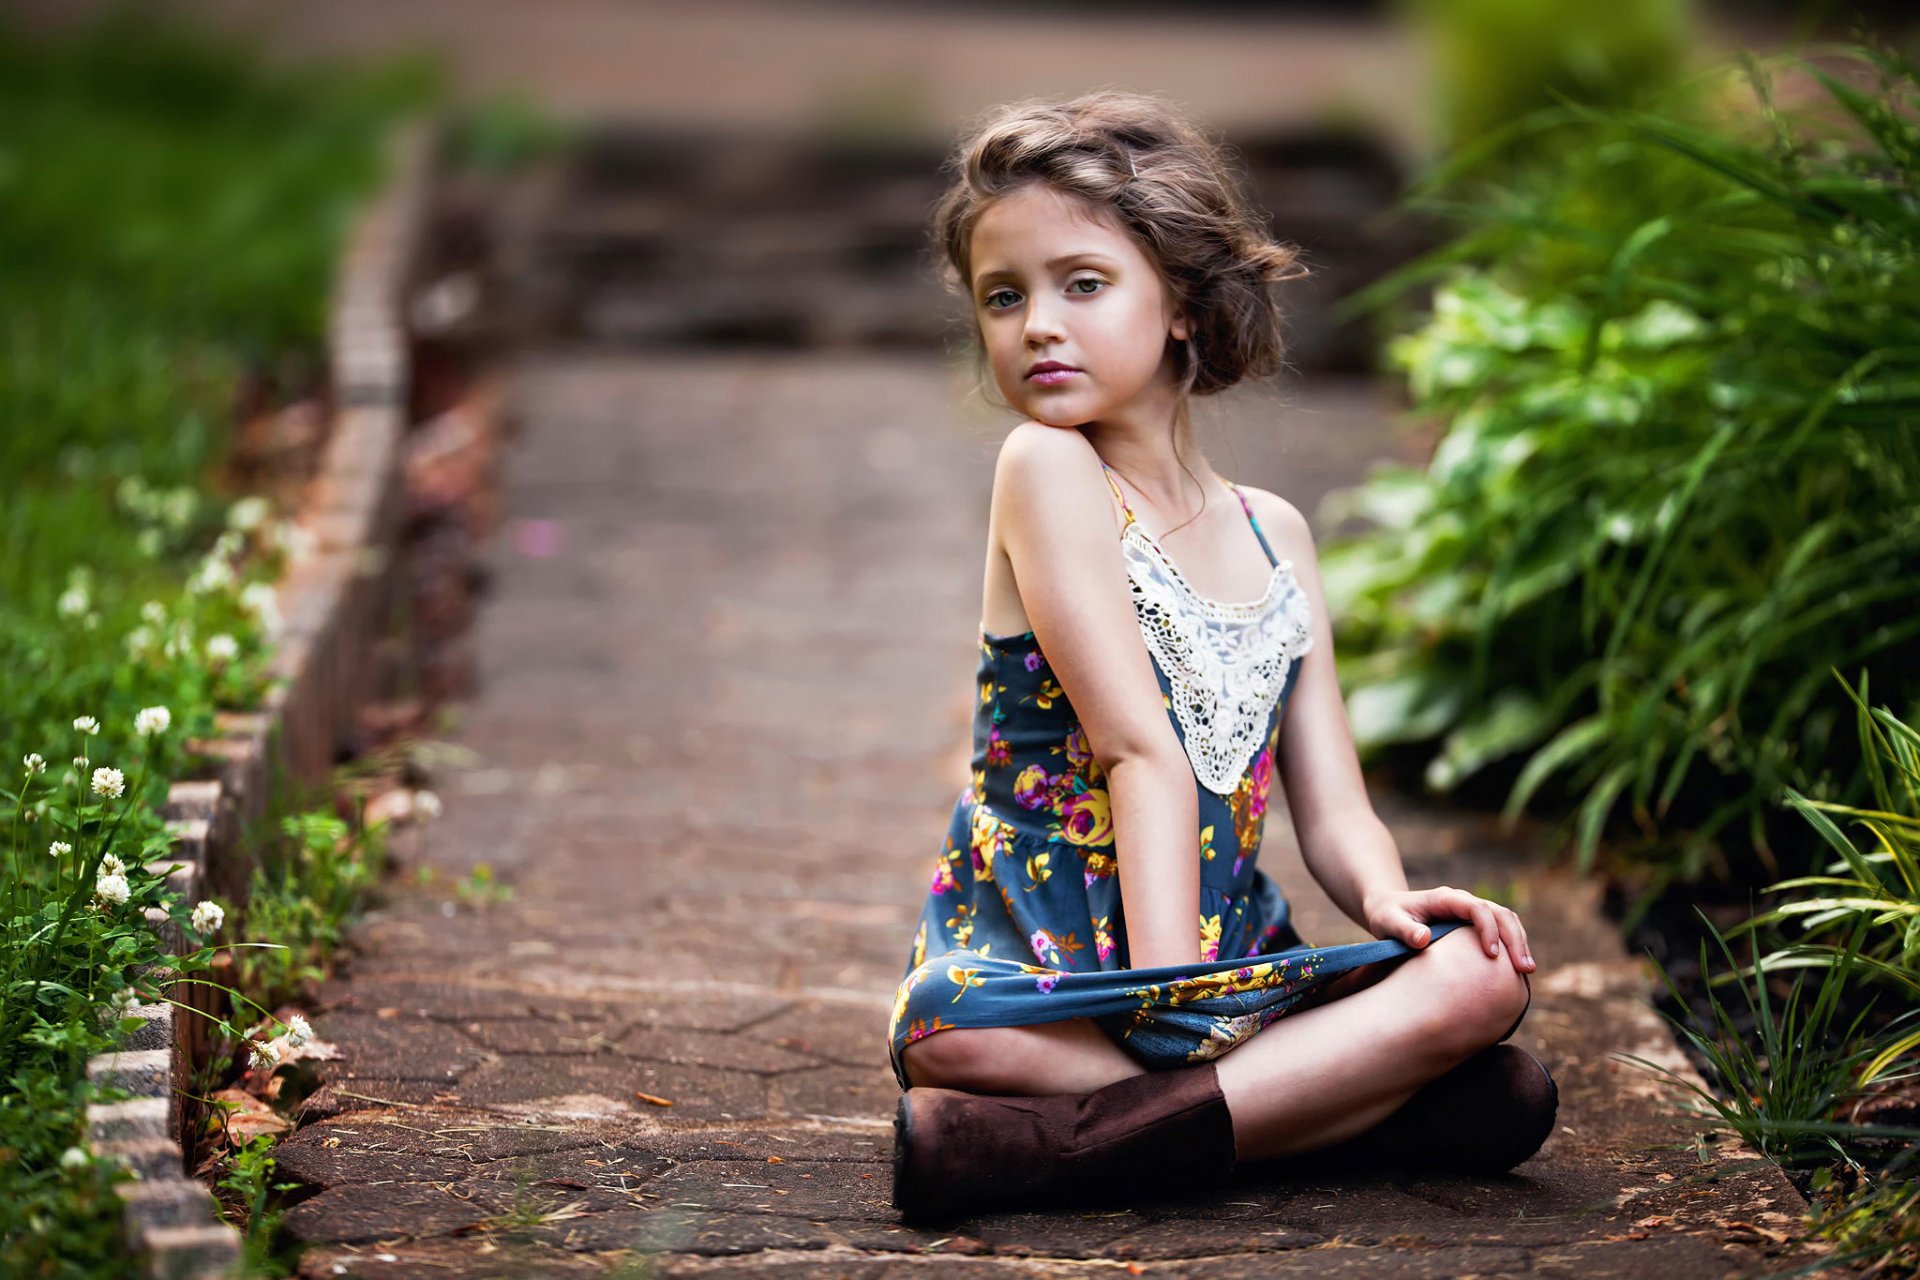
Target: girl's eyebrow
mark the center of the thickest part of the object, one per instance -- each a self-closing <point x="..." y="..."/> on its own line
<point x="1051" y="264"/>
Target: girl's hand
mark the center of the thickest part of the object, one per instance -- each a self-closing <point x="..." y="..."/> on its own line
<point x="1404" y="916"/>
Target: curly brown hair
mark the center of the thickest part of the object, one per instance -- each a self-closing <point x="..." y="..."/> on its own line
<point x="1174" y="189"/>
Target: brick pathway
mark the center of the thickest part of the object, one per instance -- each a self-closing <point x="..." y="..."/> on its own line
<point x="724" y="713"/>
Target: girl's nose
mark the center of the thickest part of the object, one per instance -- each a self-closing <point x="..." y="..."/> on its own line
<point x="1042" y="324"/>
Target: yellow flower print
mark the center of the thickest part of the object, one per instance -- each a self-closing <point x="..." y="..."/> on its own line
<point x="921" y="1028"/>
<point x="988" y="688"/>
<point x="1046" y="695"/>
<point x="1099" y="867"/>
<point x="1206" y="843"/>
<point x="990" y="837"/>
<point x="900" y="995"/>
<point x="1037" y="871"/>
<point x="964" y="978"/>
<point x="960" y="923"/>
<point x="1102" y="940"/>
<point x="1080" y="755"/>
<point x="1087" y="818"/>
<point x="1209" y="937"/>
<point x="920" y="945"/>
<point x="979" y="785"/>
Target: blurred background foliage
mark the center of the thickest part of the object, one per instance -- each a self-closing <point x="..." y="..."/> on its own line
<point x="1677" y="364"/>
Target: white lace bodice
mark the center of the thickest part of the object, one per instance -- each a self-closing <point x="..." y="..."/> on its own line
<point x="1226" y="663"/>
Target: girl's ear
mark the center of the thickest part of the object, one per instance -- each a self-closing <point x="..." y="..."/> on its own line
<point x="1179" y="329"/>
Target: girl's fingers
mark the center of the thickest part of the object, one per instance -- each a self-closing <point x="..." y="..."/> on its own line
<point x="1522" y="950"/>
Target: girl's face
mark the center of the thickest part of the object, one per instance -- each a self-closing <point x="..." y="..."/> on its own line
<point x="1054" y="281"/>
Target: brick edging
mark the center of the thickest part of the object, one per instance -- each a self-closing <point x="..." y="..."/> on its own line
<point x="331" y="600"/>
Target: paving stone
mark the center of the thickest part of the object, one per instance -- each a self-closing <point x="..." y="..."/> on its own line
<point x="399" y="1048"/>
<point x="382" y="1211"/>
<point x="563" y="1084"/>
<point x="821" y="1189"/>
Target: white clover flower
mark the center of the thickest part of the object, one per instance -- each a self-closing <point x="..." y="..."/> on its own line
<point x="214" y="574"/>
<point x="35" y="763"/>
<point x="222" y="649"/>
<point x="59" y="849"/>
<point x="139" y="642"/>
<point x="426" y="804"/>
<point x="30" y="815"/>
<point x="151" y="543"/>
<point x="113" y="889"/>
<point x="86" y="724"/>
<point x="110" y="865"/>
<point x="259" y="597"/>
<point x="81" y="762"/>
<point x="152" y="720"/>
<point x="248" y="514"/>
<point x="298" y="1032"/>
<point x="122" y="1001"/>
<point x="109" y="782"/>
<point x="73" y="602"/>
<point x="179" y="507"/>
<point x="179" y="641"/>
<point x="263" y="1053"/>
<point x="74" y="1158"/>
<point x="207" y="916"/>
<point x="154" y="612"/>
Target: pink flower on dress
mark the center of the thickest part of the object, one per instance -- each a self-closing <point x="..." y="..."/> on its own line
<point x="1262" y="783"/>
<point x="1034" y="661"/>
<point x="998" y="752"/>
<point x="1047" y="981"/>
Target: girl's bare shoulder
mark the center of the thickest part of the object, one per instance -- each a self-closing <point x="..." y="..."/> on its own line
<point x="1287" y="530"/>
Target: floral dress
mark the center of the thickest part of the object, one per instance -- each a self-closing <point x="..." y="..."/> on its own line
<point x="1022" y="921"/>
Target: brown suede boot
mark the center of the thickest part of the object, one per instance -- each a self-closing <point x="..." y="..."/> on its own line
<point x="957" y="1153"/>
<point x="1486" y="1115"/>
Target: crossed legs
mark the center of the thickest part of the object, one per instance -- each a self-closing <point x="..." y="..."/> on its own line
<point x="1312" y="1078"/>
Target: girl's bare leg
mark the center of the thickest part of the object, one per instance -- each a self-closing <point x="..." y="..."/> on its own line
<point x="1315" y="1077"/>
<point x="1323" y="1074"/>
<point x="1071" y="1056"/>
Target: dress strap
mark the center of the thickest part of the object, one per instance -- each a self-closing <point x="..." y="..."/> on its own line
<point x="1271" y="558"/>
<point x="1124" y="508"/>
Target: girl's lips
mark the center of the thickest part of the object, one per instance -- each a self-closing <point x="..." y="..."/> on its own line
<point x="1053" y="377"/>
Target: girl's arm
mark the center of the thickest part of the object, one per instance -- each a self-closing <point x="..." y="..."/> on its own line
<point x="1345" y="845"/>
<point x="1053" y="515"/>
<point x="1343" y="842"/>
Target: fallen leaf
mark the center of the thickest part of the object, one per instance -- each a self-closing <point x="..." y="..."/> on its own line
<point x="648" y="1097"/>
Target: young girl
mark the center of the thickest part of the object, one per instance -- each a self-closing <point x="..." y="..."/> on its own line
<point x="1093" y="1001"/>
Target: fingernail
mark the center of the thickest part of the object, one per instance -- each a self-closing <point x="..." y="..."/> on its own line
<point x="1496" y="948"/>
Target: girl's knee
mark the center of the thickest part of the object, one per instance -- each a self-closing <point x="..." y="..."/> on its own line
<point x="1480" y="999"/>
<point x="958" y="1059"/>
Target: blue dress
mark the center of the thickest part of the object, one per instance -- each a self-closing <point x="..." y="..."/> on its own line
<point x="1022" y="921"/>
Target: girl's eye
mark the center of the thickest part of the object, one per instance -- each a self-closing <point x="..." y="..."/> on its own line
<point x="988" y="300"/>
<point x="1085" y="280"/>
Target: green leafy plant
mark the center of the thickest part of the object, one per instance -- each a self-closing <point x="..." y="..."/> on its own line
<point x="1780" y="1090"/>
<point x="304" y="894"/>
<point x="1677" y="368"/>
<point x="1875" y="889"/>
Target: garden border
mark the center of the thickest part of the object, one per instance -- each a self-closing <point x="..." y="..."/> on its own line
<point x="334" y="601"/>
